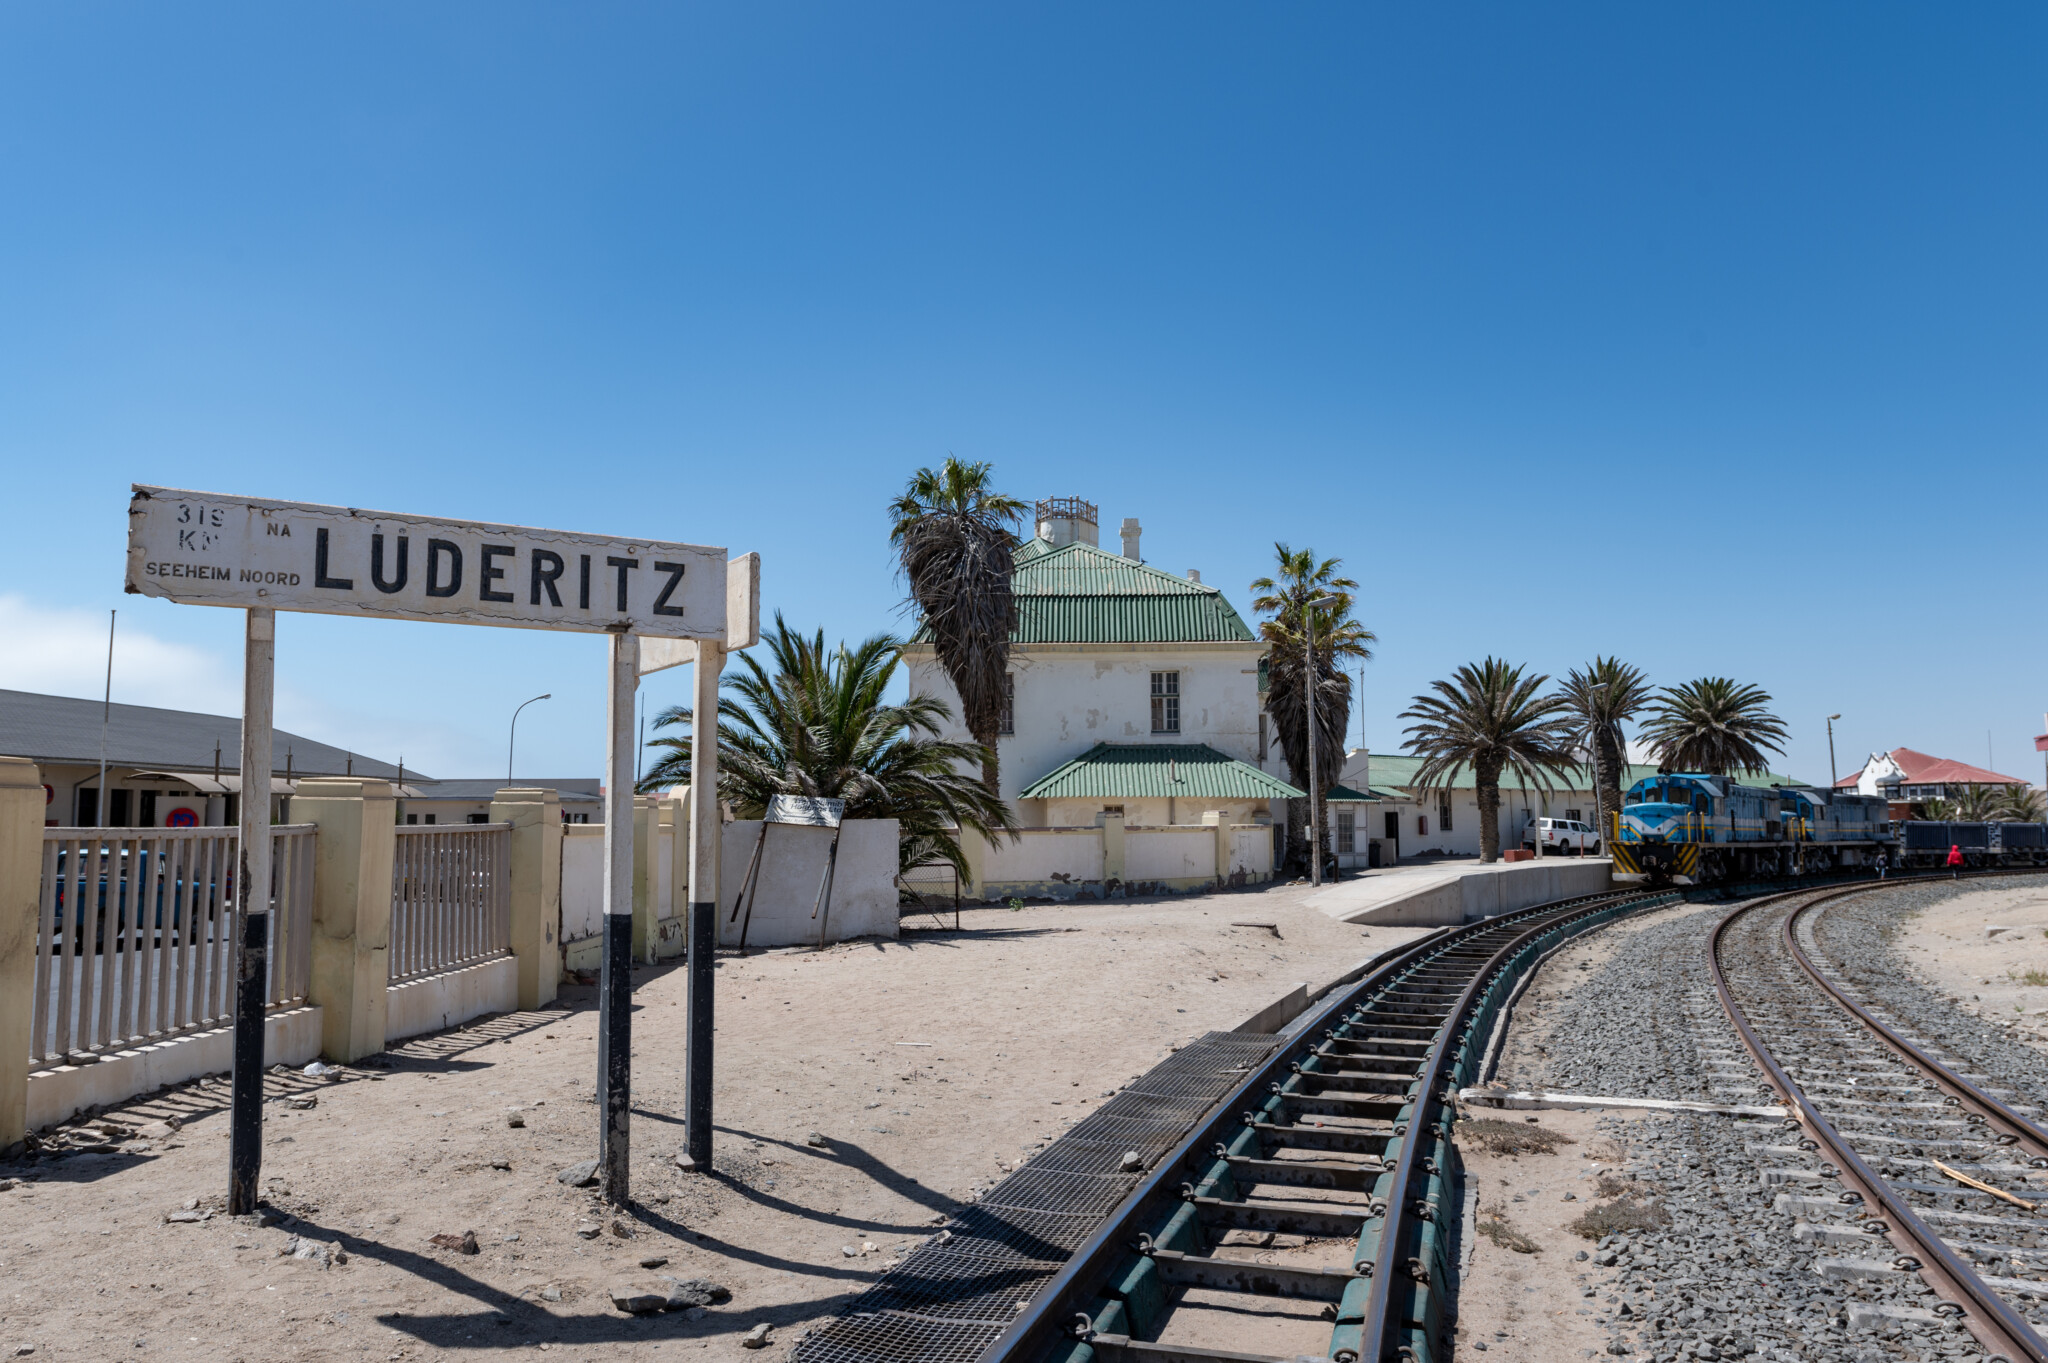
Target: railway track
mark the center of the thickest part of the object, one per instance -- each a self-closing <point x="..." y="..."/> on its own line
<point x="1904" y="1160"/>
<point x="1337" y="1147"/>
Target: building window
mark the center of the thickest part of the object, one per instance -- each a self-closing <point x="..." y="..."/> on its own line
<point x="412" y="818"/>
<point x="1166" y="702"/>
<point x="430" y="818"/>
<point x="479" y="818"/>
<point x="1572" y="814"/>
<point x="1009" y="721"/>
<point x="1347" y="831"/>
<point x="1443" y="813"/>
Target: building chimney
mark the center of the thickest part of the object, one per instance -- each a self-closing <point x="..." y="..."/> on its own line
<point x="1131" y="538"/>
<point x="1195" y="576"/>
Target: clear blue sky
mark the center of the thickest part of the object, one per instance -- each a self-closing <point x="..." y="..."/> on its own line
<point x="1709" y="336"/>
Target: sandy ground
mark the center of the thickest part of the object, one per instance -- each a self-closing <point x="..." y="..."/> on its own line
<point x="1533" y="1301"/>
<point x="1988" y="975"/>
<point x="922" y="1062"/>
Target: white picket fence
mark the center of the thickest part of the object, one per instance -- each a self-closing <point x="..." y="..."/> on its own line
<point x="137" y="930"/>
<point x="451" y="901"/>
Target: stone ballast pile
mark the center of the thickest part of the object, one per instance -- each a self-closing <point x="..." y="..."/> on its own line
<point x="1725" y="1278"/>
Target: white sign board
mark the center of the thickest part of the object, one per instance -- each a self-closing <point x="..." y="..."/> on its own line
<point x="814" y="811"/>
<point x="742" y="620"/>
<point x="207" y="549"/>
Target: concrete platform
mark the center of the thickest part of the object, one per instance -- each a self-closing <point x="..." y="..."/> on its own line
<point x="1451" y="892"/>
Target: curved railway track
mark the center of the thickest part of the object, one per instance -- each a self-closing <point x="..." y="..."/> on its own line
<point x="1921" y="1168"/>
<point x="1339" y="1142"/>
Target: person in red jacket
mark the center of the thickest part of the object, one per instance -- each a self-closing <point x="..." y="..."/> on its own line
<point x="1955" y="862"/>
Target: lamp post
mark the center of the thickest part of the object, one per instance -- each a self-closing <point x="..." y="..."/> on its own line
<point x="1832" y="778"/>
<point x="513" y="737"/>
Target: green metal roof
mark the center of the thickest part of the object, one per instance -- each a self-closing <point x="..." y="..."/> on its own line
<point x="1399" y="770"/>
<point x="1347" y="793"/>
<point x="1079" y="594"/>
<point x="1137" y="771"/>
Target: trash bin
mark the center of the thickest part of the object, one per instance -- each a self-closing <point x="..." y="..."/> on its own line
<point x="1372" y="854"/>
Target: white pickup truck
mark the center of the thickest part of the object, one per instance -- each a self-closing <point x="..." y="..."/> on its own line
<point x="1562" y="837"/>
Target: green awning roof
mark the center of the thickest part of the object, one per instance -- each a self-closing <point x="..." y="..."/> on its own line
<point x="1138" y="771"/>
<point x="1347" y="793"/>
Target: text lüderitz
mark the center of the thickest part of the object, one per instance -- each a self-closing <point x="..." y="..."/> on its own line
<point x="338" y="560"/>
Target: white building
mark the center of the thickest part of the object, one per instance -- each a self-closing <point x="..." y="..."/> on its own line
<point x="1133" y="691"/>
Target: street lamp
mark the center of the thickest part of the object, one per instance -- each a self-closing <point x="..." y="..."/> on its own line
<point x="1831" y="751"/>
<point x="514" y="736"/>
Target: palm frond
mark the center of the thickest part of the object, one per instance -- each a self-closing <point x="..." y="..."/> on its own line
<point x="1489" y="718"/>
<point x="815" y="721"/>
<point x="1716" y="726"/>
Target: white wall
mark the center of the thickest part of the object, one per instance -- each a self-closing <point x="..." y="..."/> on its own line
<point x="582" y="882"/>
<point x="1169" y="854"/>
<point x="863" y="900"/>
<point x="1068" y="700"/>
<point x="1065" y="854"/>
<point x="1517" y="808"/>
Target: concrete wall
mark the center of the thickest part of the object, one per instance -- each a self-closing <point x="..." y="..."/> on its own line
<point x="290" y="1037"/>
<point x="582" y="895"/>
<point x="1071" y="697"/>
<point x="450" y="999"/>
<point x="863" y="900"/>
<point x="1071" y="856"/>
<point x="1179" y="858"/>
<point x="1113" y="860"/>
<point x="1458" y="897"/>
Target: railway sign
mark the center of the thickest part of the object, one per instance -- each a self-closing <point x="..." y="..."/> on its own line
<point x="209" y="549"/>
<point x="203" y="548"/>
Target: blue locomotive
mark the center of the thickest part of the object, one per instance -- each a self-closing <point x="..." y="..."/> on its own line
<point x="1687" y="828"/>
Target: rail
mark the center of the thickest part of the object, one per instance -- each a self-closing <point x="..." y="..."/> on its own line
<point x="1396" y="1288"/>
<point x="136" y="931"/>
<point x="1998" y="1326"/>
<point x="450" y="898"/>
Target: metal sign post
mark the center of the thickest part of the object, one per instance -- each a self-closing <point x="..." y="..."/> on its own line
<point x="615" y="976"/>
<point x="204" y="548"/>
<point x="252" y="899"/>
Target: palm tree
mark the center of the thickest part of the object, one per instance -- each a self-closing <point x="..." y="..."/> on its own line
<point x="1489" y="718"/>
<point x="1941" y="811"/>
<point x="1602" y="696"/>
<point x="1978" y="804"/>
<point x="1308" y="591"/>
<point x="953" y="544"/>
<point x="818" y="725"/>
<point x="1715" y="726"/>
<point x="2021" y="805"/>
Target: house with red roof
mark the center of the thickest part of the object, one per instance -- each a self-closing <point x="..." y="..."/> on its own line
<point x="1907" y="778"/>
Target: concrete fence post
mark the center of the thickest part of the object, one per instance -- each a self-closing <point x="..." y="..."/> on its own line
<point x="352" y="856"/>
<point x="1112" y="848"/>
<point x="975" y="852"/>
<point x="21" y="873"/>
<point x="675" y="912"/>
<point x="646" y="877"/>
<point x="1216" y="820"/>
<point x="536" y="889"/>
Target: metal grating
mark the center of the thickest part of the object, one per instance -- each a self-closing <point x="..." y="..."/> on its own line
<point x="1009" y="1233"/>
<point x="1150" y="1139"/>
<point x="942" y="1284"/>
<point x="892" y="1338"/>
<point x="1044" y="1190"/>
<point x="1070" y="1156"/>
<point x="951" y="1297"/>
